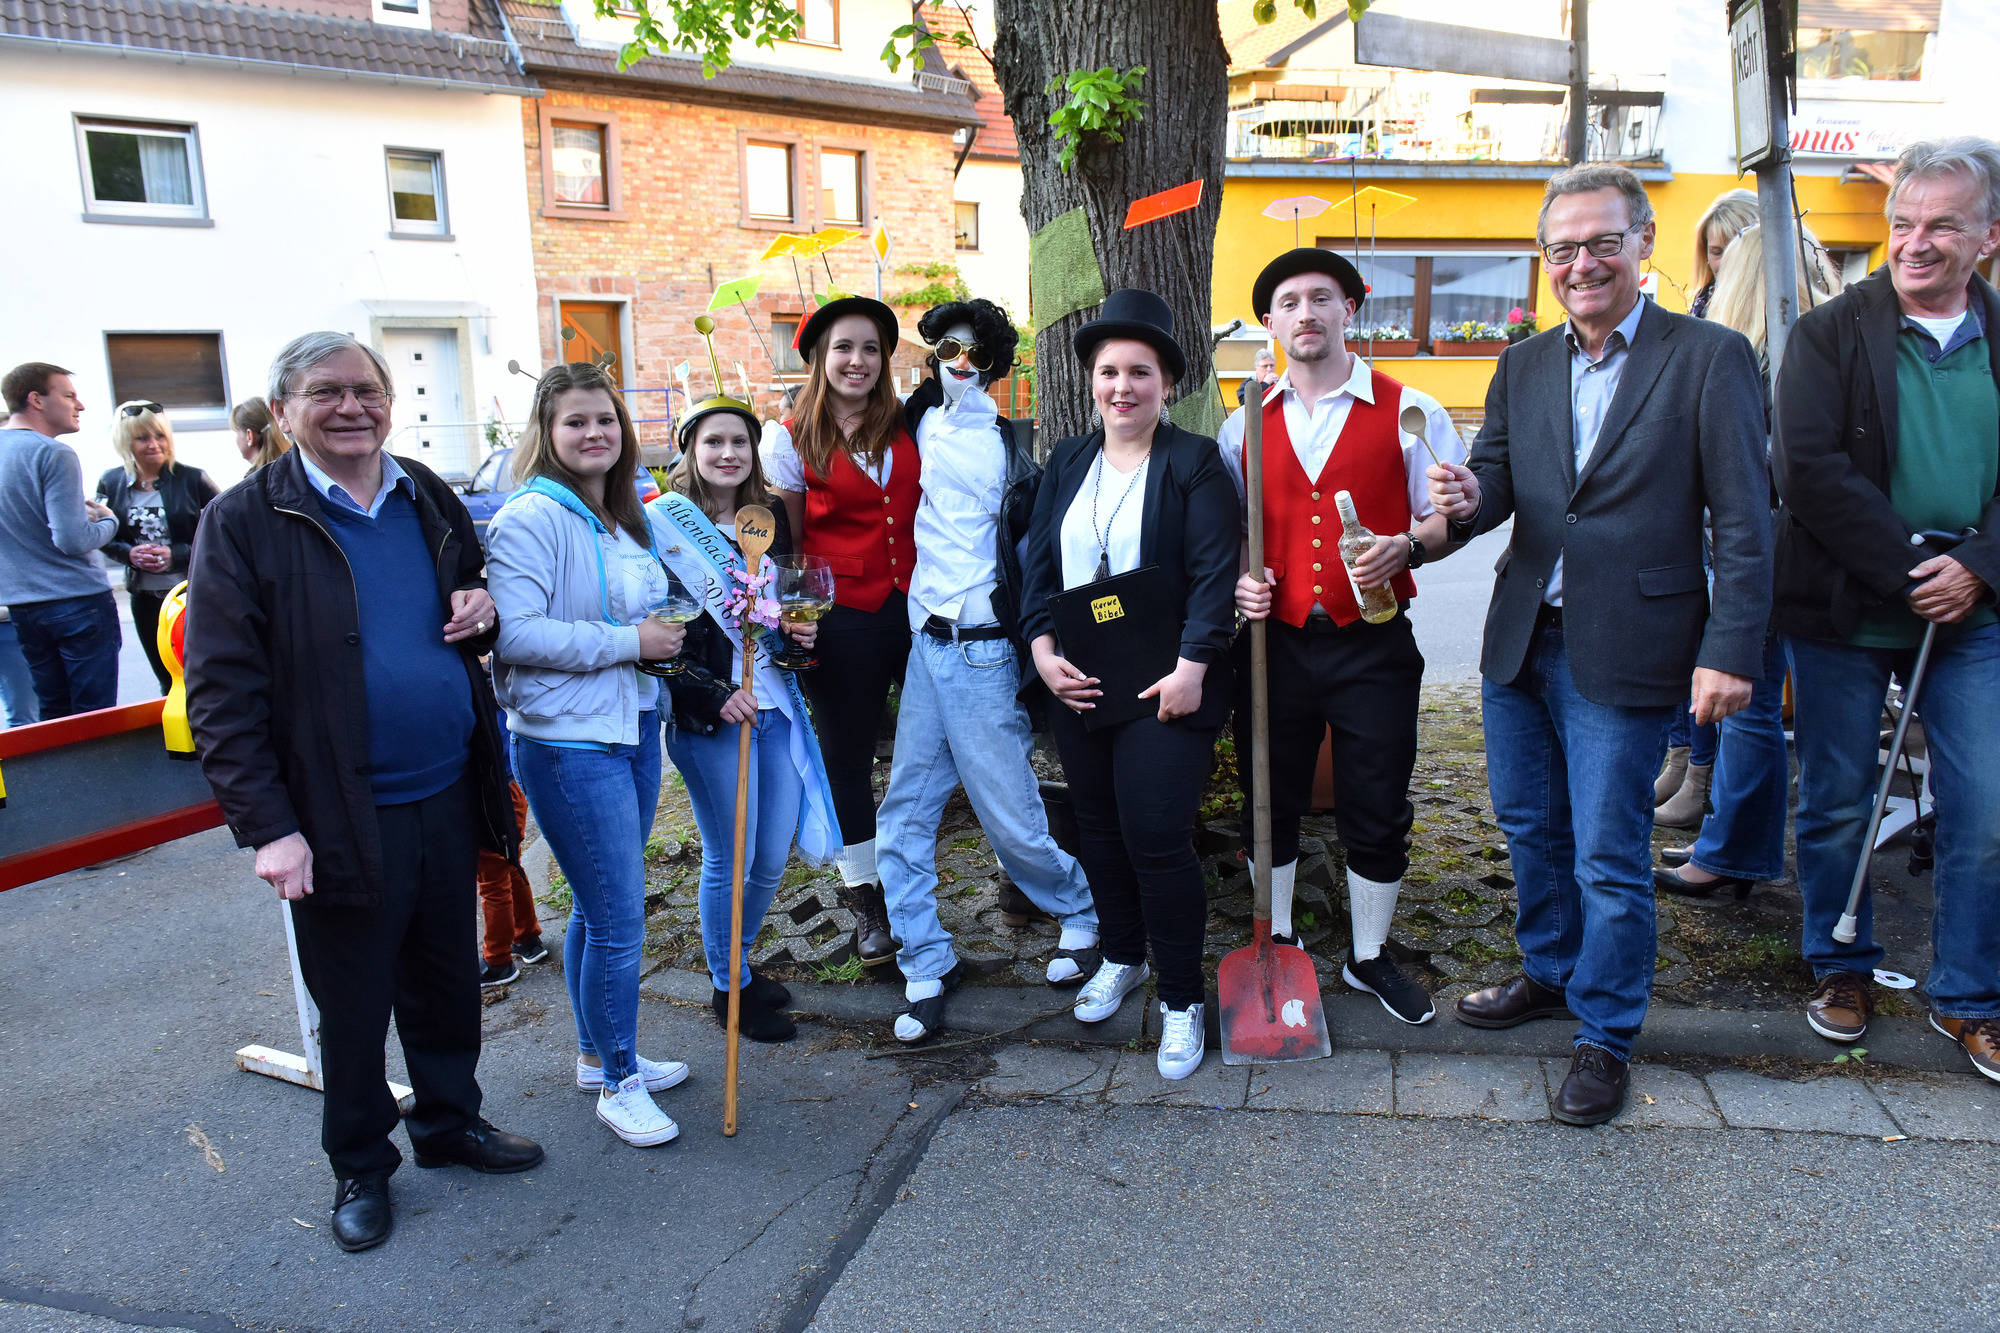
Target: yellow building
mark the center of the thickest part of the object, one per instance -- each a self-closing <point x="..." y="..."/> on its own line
<point x="1471" y="156"/>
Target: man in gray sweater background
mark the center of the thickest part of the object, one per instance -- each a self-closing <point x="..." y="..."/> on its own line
<point x="58" y="596"/>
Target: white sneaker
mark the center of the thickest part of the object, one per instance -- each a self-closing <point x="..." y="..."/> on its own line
<point x="1182" y="1041"/>
<point x="658" y="1074"/>
<point x="630" y="1113"/>
<point x="1103" y="993"/>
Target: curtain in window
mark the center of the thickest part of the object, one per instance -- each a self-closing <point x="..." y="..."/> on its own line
<point x="578" y="158"/>
<point x="163" y="165"/>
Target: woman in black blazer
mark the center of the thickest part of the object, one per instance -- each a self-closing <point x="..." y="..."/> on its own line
<point x="1139" y="492"/>
<point x="158" y="502"/>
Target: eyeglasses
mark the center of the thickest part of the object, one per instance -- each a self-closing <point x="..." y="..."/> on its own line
<point x="950" y="349"/>
<point x="333" y="395"/>
<point x="139" y="409"/>
<point x="1605" y="246"/>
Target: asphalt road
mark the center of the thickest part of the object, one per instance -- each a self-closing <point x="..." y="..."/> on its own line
<point x="1449" y="614"/>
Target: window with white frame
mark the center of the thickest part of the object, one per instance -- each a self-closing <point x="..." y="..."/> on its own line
<point x="1426" y="295"/>
<point x="416" y="193"/>
<point x="767" y="181"/>
<point x="580" y="176"/>
<point x="403" y="13"/>
<point x="140" y="170"/>
<point x="840" y="186"/>
<point x="1876" y="41"/>
<point x="965" y="224"/>
<point x="181" y="371"/>
<point x="819" y="21"/>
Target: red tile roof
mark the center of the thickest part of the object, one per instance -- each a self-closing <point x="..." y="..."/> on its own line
<point x="996" y="133"/>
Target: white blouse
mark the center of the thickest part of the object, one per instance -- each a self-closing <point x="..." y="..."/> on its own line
<point x="1080" y="544"/>
<point x="785" y="470"/>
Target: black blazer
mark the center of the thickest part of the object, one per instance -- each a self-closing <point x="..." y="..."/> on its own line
<point x="1190" y="527"/>
<point x="1843" y="550"/>
<point x="184" y="491"/>
<point x="1684" y="433"/>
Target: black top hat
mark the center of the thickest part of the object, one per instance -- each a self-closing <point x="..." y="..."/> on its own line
<point x="708" y="407"/>
<point x="1306" y="259"/>
<point x="822" y="319"/>
<point x="1132" y="312"/>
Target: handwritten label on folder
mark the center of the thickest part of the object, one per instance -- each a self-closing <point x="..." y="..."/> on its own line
<point x="1106" y="608"/>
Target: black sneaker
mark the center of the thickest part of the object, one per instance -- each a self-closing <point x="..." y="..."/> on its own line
<point x="532" y="951"/>
<point x="491" y="975"/>
<point x="1400" y="994"/>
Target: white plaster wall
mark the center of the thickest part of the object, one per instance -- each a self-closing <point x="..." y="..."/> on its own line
<point x="998" y="270"/>
<point x="297" y="190"/>
<point x="864" y="28"/>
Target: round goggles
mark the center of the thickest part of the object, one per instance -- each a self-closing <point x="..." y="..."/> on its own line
<point x="951" y="349"/>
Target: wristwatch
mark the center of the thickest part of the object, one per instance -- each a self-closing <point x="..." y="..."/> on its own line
<point x="1417" y="552"/>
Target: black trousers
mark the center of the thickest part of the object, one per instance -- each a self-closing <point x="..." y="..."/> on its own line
<point x="1364" y="681"/>
<point x="415" y="957"/>
<point x="146" y="620"/>
<point x="1136" y="789"/>
<point x="861" y="653"/>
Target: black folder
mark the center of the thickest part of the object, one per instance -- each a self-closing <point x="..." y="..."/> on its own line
<point x="1124" y="630"/>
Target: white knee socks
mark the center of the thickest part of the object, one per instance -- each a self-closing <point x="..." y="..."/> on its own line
<point x="1282" y="879"/>
<point x="1371" y="906"/>
<point x="857" y="863"/>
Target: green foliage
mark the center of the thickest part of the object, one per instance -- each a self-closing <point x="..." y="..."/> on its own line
<point x="706" y="27"/>
<point x="946" y="284"/>
<point x="656" y="848"/>
<point x="1854" y="1057"/>
<point x="849" y="970"/>
<point x="911" y="40"/>
<point x="1100" y="101"/>
<point x="558" y="896"/>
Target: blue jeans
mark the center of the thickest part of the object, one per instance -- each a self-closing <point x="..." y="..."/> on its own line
<point x="960" y="722"/>
<point x="596" y="809"/>
<point x="1572" y="786"/>
<point x="71" y="645"/>
<point x="17" y="687"/>
<point x="1701" y="741"/>
<point x="708" y="765"/>
<point x="1745" y="837"/>
<point x="1837" y="722"/>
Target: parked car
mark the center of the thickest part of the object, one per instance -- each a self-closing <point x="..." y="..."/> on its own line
<point x="494" y="482"/>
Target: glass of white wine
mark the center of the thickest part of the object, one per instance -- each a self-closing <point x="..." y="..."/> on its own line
<point x="804" y="587"/>
<point x="682" y="603"/>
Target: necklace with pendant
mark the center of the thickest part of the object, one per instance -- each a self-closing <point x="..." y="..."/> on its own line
<point x="1103" y="534"/>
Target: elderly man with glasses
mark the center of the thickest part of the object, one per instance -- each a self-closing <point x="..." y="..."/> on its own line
<point x="1605" y="439"/>
<point x="335" y="617"/>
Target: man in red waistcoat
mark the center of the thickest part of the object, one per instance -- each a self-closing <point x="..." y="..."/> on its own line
<point x="1331" y="425"/>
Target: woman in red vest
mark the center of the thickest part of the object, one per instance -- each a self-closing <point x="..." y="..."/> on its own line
<point x="846" y="470"/>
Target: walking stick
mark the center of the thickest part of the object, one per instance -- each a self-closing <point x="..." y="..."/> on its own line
<point x="1269" y="995"/>
<point x="754" y="528"/>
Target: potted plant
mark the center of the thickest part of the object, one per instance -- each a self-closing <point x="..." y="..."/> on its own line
<point x="1468" y="337"/>
<point x="1520" y="324"/>
<point x="1381" y="340"/>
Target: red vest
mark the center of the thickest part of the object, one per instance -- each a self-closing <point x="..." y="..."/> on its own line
<point x="1301" y="524"/>
<point x="865" y="533"/>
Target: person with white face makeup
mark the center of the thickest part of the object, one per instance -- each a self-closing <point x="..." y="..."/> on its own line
<point x="961" y="720"/>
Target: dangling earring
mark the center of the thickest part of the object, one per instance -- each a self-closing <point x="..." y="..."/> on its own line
<point x="1163" y="411"/>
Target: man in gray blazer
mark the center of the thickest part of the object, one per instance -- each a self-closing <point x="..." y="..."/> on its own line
<point x="1605" y="439"/>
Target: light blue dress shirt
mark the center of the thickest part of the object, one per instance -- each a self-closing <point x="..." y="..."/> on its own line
<point x="334" y="493"/>
<point x="1592" y="386"/>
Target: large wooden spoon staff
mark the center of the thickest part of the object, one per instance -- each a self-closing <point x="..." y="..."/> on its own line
<point x="754" y="529"/>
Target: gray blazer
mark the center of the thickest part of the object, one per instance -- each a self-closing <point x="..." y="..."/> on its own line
<point x="1684" y="433"/>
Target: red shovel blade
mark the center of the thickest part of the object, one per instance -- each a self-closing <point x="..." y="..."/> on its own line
<point x="1271" y="1010"/>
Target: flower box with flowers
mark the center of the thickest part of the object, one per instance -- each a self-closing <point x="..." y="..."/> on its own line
<point x="1382" y="340"/>
<point x="1471" y="337"/>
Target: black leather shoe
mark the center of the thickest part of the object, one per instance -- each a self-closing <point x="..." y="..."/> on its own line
<point x="1670" y="881"/>
<point x="1515" y="1000"/>
<point x="1595" y="1089"/>
<point x="483" y="1148"/>
<point x="766" y="993"/>
<point x="758" y="1022"/>
<point x="361" y="1216"/>
<point x="872" y="940"/>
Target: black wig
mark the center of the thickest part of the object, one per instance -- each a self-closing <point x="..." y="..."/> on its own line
<point x="991" y="330"/>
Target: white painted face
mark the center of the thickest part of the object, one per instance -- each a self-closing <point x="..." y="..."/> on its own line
<point x="957" y="376"/>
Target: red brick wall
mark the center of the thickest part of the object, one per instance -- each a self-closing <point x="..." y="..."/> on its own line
<point x="682" y="237"/>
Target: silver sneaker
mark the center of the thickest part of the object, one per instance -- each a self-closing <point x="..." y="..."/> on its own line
<point x="1182" y="1041"/>
<point x="1103" y="993"/>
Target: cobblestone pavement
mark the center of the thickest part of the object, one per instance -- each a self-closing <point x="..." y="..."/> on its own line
<point x="1454" y="921"/>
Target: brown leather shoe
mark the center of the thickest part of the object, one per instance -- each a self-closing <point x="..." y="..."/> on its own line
<point x="872" y="940"/>
<point x="1595" y="1089"/>
<point x="1841" y="1006"/>
<point x="1979" y="1036"/>
<point x="1515" y="1000"/>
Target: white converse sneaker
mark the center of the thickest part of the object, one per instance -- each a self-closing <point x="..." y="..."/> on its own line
<point x="659" y="1075"/>
<point x="1182" y="1041"/>
<point x="631" y="1115"/>
<point x="1103" y="993"/>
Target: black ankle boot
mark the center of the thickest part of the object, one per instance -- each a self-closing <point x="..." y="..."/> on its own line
<point x="871" y="923"/>
<point x="756" y="1021"/>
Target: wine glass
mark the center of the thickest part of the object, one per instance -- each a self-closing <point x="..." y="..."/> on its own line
<point x="804" y="588"/>
<point x="682" y="602"/>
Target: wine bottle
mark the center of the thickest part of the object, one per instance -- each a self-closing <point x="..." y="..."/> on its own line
<point x="1377" y="604"/>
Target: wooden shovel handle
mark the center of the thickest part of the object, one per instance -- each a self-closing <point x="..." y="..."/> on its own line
<point x="754" y="528"/>
<point x="1260" y="657"/>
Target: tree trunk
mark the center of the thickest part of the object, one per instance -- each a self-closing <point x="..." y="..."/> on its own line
<point x="1179" y="138"/>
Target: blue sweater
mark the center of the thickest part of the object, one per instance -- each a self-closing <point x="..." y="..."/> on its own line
<point x="420" y="717"/>
<point x="45" y="538"/>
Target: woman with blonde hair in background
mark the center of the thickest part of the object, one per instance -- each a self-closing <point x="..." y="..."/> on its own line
<point x="258" y="438"/>
<point x="157" y="503"/>
<point x="1742" y="843"/>
<point x="1726" y="218"/>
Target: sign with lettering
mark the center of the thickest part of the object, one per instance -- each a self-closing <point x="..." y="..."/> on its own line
<point x="1747" y="53"/>
<point x="1106" y="608"/>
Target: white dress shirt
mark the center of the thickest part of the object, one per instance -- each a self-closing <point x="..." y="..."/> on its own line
<point x="784" y="469"/>
<point x="963" y="474"/>
<point x="1592" y="386"/>
<point x="1315" y="428"/>
<point x="1080" y="545"/>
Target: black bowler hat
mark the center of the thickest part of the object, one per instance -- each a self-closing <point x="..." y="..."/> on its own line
<point x="1132" y="312"/>
<point x="708" y="407"/>
<point x="1306" y="259"/>
<point x="822" y="319"/>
